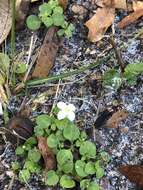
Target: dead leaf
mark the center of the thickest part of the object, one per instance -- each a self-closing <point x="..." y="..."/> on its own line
<point x="78" y="9"/>
<point x="137" y="5"/>
<point x="22" y="7"/>
<point x="5" y="19"/>
<point x="130" y="18"/>
<point x="134" y="173"/>
<point x="48" y="155"/>
<point x="118" y="4"/>
<point x="47" y="54"/>
<point x="116" y="118"/>
<point x="99" y="23"/>
<point x="63" y="3"/>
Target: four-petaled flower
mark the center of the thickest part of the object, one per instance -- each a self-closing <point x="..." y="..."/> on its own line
<point x="66" y="111"/>
<point x="1" y="110"/>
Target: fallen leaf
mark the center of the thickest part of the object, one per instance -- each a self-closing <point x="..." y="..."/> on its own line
<point x="78" y="9"/>
<point x="137" y="5"/>
<point x="47" y="54"/>
<point x="22" y="7"/>
<point x="5" y="19"/>
<point x="20" y="127"/>
<point x="63" y="3"/>
<point x="130" y="18"/>
<point x="116" y="118"/>
<point x="118" y="4"/>
<point x="48" y="155"/>
<point x="99" y="23"/>
<point x="134" y="173"/>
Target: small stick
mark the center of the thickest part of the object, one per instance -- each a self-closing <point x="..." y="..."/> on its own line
<point x="118" y="54"/>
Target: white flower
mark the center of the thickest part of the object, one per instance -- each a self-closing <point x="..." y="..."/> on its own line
<point x="66" y="111"/>
<point x="1" y="110"/>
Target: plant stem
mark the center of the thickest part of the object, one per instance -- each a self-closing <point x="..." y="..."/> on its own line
<point x="64" y="75"/>
<point x="13" y="28"/>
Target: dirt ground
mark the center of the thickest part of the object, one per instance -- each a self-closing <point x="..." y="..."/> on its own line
<point x="125" y="143"/>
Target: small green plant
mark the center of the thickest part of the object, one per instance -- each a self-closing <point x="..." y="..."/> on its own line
<point x="51" y="14"/>
<point x="114" y="79"/>
<point x="76" y="156"/>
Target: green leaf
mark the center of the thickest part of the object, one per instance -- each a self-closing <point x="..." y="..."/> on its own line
<point x="20" y="150"/>
<point x="84" y="184"/>
<point x="71" y="132"/>
<point x="69" y="30"/>
<point x="31" y="141"/>
<point x="45" y="9"/>
<point x="33" y="22"/>
<point x="52" y="178"/>
<point x="38" y="131"/>
<point x="112" y="78"/>
<point x="2" y="79"/>
<point x="90" y="168"/>
<point x="80" y="168"/>
<point x="34" y="155"/>
<point x="15" y="166"/>
<point x="58" y="19"/>
<point x="99" y="172"/>
<point x="67" y="167"/>
<point x="4" y="62"/>
<point x="88" y="149"/>
<point x="64" y="156"/>
<point x="31" y="166"/>
<point x="44" y="121"/>
<point x="60" y="136"/>
<point x="67" y="182"/>
<point x="58" y="10"/>
<point x="61" y="124"/>
<point x="53" y="3"/>
<point x="48" y="21"/>
<point x="83" y="135"/>
<point x="24" y="175"/>
<point x="21" y="68"/>
<point x="61" y="32"/>
<point x="52" y="141"/>
<point x="104" y="156"/>
<point x="93" y="186"/>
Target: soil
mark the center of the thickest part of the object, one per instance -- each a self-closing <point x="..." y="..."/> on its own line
<point x="125" y="143"/>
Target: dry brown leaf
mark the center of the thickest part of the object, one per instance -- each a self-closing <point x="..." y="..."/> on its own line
<point x="116" y="118"/>
<point x="99" y="23"/>
<point x="130" y="18"/>
<point x="5" y="19"/>
<point x="134" y="173"/>
<point x="63" y="3"/>
<point x="47" y="154"/>
<point x="22" y="7"/>
<point x="137" y="5"/>
<point x="118" y="4"/>
<point x="47" y="54"/>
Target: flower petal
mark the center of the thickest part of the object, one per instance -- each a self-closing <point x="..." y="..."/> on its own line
<point x="71" y="116"/>
<point x="1" y="110"/>
<point x="61" y="105"/>
<point x="61" y="115"/>
<point x="71" y="107"/>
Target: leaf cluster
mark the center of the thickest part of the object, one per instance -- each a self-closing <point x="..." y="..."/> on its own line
<point x="114" y="79"/>
<point x="51" y="14"/>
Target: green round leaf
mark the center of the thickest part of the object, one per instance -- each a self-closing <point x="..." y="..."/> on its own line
<point x="20" y="150"/>
<point x="99" y="172"/>
<point x="48" y="21"/>
<point x="61" y="32"/>
<point x="64" y="156"/>
<point x="24" y="175"/>
<point x="44" y="121"/>
<point x="104" y="156"/>
<point x="67" y="182"/>
<point x="84" y="184"/>
<point x="30" y="165"/>
<point x="67" y="167"/>
<point x="80" y="168"/>
<point x="52" y="178"/>
<point x="31" y="141"/>
<point x="52" y="141"/>
<point x="21" y="68"/>
<point x="90" y="168"/>
<point x="58" y="10"/>
<point x="88" y="149"/>
<point x="93" y="186"/>
<point x="33" y="22"/>
<point x="71" y="132"/>
<point x="38" y="131"/>
<point x="45" y="9"/>
<point x="34" y="155"/>
<point x="15" y="166"/>
<point x="58" y="19"/>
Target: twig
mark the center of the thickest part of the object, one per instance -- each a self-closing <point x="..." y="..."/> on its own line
<point x="13" y="28"/>
<point x="117" y="53"/>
